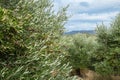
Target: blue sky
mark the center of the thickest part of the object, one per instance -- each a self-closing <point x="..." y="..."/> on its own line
<point x="86" y="14"/>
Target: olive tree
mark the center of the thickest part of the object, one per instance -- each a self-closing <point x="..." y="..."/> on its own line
<point x="29" y="41"/>
<point x="108" y="53"/>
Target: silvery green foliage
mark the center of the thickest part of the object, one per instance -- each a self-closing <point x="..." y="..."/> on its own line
<point x="108" y="52"/>
<point x="39" y="30"/>
<point x="80" y="49"/>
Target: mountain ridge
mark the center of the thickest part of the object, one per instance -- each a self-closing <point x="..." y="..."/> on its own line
<point x="81" y="31"/>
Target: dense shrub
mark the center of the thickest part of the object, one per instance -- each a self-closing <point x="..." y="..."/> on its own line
<point x="108" y="53"/>
<point x="29" y="41"/>
<point x="80" y="48"/>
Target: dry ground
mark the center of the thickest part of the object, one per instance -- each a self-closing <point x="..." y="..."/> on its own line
<point x="86" y="74"/>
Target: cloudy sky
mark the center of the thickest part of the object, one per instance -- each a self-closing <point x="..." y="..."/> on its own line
<point x="87" y="13"/>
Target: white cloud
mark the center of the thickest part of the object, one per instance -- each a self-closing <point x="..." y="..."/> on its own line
<point x="94" y="5"/>
<point x="84" y="26"/>
<point x="100" y="16"/>
<point x="81" y="26"/>
<point x="96" y="10"/>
